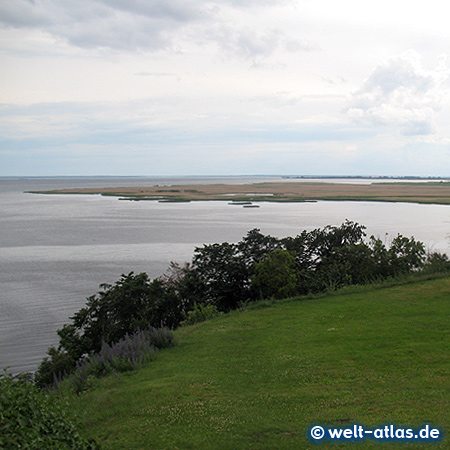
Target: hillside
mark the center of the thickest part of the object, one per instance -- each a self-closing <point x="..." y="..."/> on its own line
<point x="259" y="378"/>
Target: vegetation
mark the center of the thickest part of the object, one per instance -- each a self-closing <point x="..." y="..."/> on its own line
<point x="256" y="379"/>
<point x="275" y="276"/>
<point x="438" y="193"/>
<point x="259" y="377"/>
<point x="117" y="312"/>
<point x="200" y="313"/>
<point x="129" y="353"/>
<point x="30" y="420"/>
<point x="223" y="277"/>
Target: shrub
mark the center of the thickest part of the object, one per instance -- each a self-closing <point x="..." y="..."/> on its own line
<point x="200" y="313"/>
<point x="124" y="308"/>
<point x="436" y="263"/>
<point x="29" y="419"/>
<point x="127" y="354"/>
<point x="59" y="364"/>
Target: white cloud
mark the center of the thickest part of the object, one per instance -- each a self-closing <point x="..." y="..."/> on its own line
<point x="401" y="93"/>
<point x="221" y="76"/>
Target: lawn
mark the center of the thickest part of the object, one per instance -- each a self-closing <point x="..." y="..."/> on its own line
<point x="259" y="378"/>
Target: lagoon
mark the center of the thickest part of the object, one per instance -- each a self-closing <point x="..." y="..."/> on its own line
<point x="55" y="250"/>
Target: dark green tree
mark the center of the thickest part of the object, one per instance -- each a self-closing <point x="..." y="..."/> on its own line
<point x="222" y="276"/>
<point x="276" y="275"/>
<point x="437" y="263"/>
<point x="346" y="265"/>
<point x="406" y="255"/>
<point x="132" y="304"/>
<point x="255" y="246"/>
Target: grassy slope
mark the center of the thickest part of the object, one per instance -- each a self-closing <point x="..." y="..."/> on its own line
<point x="257" y="379"/>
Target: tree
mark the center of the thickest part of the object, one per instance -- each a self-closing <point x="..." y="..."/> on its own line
<point x="327" y="240"/>
<point x="255" y="246"/>
<point x="132" y="304"/>
<point x="276" y="275"/>
<point x="406" y="255"/>
<point x="222" y="276"/>
<point x="380" y="259"/>
<point x="349" y="264"/>
<point x="117" y="310"/>
<point x="437" y="262"/>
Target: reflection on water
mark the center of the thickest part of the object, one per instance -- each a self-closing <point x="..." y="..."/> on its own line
<point x="56" y="250"/>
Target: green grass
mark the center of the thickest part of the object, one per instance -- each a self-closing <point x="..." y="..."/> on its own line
<point x="258" y="378"/>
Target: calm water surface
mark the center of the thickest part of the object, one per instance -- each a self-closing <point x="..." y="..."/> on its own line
<point x="55" y="250"/>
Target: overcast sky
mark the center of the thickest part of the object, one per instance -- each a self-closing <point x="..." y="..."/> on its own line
<point x="190" y="87"/>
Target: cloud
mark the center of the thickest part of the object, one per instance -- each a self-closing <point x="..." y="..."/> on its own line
<point x="117" y="24"/>
<point x="252" y="3"/>
<point x="153" y="25"/>
<point x="401" y="93"/>
<point x="253" y="44"/>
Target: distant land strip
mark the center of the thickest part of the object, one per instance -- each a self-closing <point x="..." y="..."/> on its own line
<point x="426" y="192"/>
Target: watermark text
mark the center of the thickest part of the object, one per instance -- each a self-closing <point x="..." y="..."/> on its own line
<point x="356" y="432"/>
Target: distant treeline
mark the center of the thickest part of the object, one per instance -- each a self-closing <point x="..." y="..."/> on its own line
<point x="222" y="277"/>
<point x="361" y="177"/>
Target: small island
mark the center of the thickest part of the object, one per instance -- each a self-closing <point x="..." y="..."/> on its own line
<point x="436" y="192"/>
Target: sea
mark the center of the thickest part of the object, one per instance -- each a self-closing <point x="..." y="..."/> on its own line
<point x="55" y="250"/>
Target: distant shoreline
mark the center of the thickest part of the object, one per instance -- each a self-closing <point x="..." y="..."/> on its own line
<point x="436" y="191"/>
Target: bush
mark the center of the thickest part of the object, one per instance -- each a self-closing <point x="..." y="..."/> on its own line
<point x="127" y="354"/>
<point x="128" y="306"/>
<point x="437" y="263"/>
<point x="30" y="420"/>
<point x="200" y="313"/>
<point x="59" y="364"/>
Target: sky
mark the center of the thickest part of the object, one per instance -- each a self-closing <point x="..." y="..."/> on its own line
<point x="229" y="87"/>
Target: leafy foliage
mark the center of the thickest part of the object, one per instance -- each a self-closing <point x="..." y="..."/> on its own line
<point x="30" y="420"/>
<point x="130" y="305"/>
<point x="200" y="313"/>
<point x="275" y="276"/>
<point x="126" y="354"/>
<point x="406" y="255"/>
<point x="223" y="276"/>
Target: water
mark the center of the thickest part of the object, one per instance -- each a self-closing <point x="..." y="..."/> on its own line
<point x="55" y="250"/>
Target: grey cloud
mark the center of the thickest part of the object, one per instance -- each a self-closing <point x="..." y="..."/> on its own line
<point x="254" y="44"/>
<point x="22" y="13"/>
<point x="415" y="128"/>
<point x="401" y="93"/>
<point x="114" y="32"/>
<point x="28" y="12"/>
<point x="259" y="3"/>
<point x="117" y="24"/>
<point x="150" y="25"/>
<point x="178" y="10"/>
